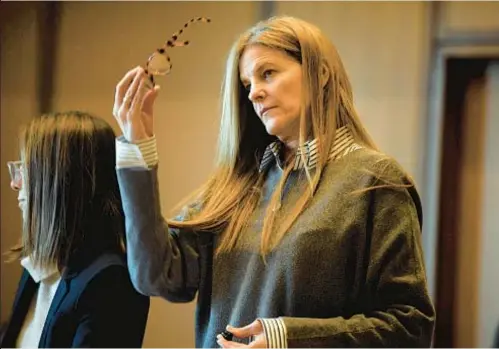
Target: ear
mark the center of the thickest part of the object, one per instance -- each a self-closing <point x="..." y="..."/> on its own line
<point x="324" y="74"/>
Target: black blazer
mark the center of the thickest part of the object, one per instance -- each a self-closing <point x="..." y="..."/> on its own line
<point x="94" y="306"/>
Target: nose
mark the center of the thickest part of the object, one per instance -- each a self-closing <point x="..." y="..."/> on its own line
<point x="257" y="93"/>
<point x="16" y="183"/>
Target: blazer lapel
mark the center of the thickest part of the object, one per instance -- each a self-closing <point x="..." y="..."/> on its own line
<point x="22" y="301"/>
<point x="27" y="288"/>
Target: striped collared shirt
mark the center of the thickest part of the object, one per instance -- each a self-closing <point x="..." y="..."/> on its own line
<point x="343" y="144"/>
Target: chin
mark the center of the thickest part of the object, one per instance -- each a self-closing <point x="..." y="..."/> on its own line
<point x="273" y="129"/>
<point x="278" y="133"/>
<point x="22" y="205"/>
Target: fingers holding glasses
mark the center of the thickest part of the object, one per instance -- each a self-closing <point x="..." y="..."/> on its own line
<point x="120" y="93"/>
<point x="123" y="85"/>
<point x="131" y="92"/>
<point x="128" y="102"/>
<point x="139" y="92"/>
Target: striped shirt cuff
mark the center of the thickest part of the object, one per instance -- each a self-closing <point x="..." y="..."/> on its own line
<point x="143" y="154"/>
<point x="275" y="332"/>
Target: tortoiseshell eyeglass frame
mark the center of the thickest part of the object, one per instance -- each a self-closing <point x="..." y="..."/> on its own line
<point x="161" y="52"/>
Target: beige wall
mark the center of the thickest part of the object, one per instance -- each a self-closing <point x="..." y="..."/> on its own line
<point x="18" y="104"/>
<point x="469" y="16"/>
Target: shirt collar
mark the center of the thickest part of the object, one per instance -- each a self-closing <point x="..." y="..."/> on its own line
<point x="343" y="144"/>
<point x="38" y="274"/>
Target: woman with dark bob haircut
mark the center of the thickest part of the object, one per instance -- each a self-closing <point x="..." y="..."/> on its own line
<point x="75" y="290"/>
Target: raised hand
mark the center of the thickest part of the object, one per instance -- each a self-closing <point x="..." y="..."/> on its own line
<point x="134" y="104"/>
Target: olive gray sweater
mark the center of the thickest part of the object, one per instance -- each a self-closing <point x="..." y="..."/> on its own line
<point x="349" y="273"/>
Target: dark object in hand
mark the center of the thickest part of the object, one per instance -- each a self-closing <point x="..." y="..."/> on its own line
<point x="227" y="335"/>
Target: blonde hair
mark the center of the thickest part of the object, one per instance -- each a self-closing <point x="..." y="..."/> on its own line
<point x="228" y="199"/>
<point x="73" y="206"/>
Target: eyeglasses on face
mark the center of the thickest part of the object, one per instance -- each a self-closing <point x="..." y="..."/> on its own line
<point x="159" y="63"/>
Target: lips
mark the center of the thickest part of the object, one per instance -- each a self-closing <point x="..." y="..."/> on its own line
<point x="264" y="110"/>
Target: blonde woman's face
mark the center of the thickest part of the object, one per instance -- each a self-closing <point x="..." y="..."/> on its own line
<point x="274" y="84"/>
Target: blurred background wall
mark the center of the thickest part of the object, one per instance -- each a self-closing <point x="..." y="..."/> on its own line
<point x="70" y="55"/>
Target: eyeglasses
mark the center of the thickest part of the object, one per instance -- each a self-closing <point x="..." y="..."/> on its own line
<point x="159" y="63"/>
<point x="15" y="171"/>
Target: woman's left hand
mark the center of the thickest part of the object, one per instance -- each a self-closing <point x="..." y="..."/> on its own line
<point x="253" y="330"/>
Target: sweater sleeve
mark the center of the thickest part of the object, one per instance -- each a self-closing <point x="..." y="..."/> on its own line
<point x="162" y="261"/>
<point x="399" y="311"/>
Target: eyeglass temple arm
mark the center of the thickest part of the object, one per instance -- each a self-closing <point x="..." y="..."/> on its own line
<point x="173" y="42"/>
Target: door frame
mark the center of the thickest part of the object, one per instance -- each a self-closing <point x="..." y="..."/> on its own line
<point x="452" y="45"/>
<point x="443" y="45"/>
<point x="433" y="147"/>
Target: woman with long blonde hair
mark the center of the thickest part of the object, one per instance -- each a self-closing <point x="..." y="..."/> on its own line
<point x="305" y="234"/>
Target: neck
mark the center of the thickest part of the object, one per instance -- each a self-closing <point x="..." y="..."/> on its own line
<point x="290" y="147"/>
<point x="289" y="150"/>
